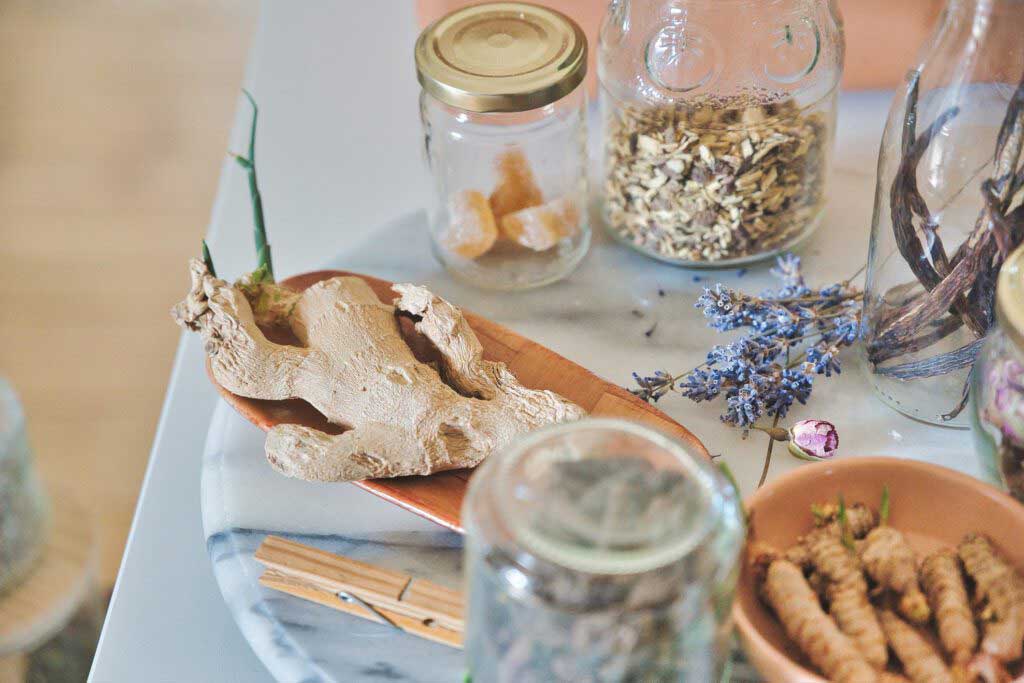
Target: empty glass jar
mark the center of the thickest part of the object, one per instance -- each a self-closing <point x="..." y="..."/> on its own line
<point x="718" y="124"/>
<point x="599" y="551"/>
<point x="504" y="117"/>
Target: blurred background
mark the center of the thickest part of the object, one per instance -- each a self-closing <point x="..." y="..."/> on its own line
<point x="114" y="117"/>
<point x="113" y="121"/>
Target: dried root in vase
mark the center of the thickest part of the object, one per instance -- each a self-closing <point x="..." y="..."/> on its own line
<point x="849" y="593"/>
<point x="404" y="416"/>
<point x="954" y="288"/>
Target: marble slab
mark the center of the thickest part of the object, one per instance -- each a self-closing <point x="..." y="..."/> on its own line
<point x="618" y="313"/>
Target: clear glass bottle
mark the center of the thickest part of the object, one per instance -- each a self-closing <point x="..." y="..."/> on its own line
<point x="23" y="504"/>
<point x="718" y="124"/>
<point x="943" y="208"/>
<point x="504" y="118"/>
<point x="599" y="551"/>
<point x="997" y="392"/>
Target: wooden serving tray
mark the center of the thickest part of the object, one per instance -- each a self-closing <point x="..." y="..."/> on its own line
<point x="438" y="497"/>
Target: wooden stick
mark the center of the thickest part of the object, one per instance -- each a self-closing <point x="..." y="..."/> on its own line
<point x="417" y="606"/>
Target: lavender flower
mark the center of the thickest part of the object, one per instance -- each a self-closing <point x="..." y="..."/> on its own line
<point x="794" y="334"/>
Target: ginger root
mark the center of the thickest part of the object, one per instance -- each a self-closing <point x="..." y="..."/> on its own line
<point x="921" y="662"/>
<point x="889" y="561"/>
<point x="1002" y="590"/>
<point x="354" y="367"/>
<point x="947" y="595"/>
<point x="787" y="592"/>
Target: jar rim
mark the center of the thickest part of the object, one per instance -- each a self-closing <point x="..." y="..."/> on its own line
<point x="710" y="509"/>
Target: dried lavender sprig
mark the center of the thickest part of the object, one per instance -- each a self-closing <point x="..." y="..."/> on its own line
<point x="757" y="374"/>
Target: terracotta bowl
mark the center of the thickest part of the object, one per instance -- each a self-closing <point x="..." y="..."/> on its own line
<point x="932" y="505"/>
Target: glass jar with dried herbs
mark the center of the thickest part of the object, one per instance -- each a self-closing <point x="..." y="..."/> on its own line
<point x="599" y="551"/>
<point x="948" y="210"/>
<point x="504" y="119"/>
<point x="997" y="392"/>
<point x="718" y="124"/>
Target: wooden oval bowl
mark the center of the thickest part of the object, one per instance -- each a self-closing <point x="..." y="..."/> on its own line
<point x="934" y="506"/>
<point x="438" y="497"/>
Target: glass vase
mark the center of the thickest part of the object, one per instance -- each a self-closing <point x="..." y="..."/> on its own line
<point x="947" y="210"/>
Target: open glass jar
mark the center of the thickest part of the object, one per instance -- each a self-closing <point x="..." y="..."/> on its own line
<point x="599" y="551"/>
<point x="997" y="391"/>
<point x="504" y="117"/>
<point x="718" y="124"/>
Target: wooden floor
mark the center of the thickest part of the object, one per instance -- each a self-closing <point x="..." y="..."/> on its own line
<point x="113" y="123"/>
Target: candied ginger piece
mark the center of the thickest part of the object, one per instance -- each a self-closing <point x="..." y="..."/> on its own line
<point x="541" y="227"/>
<point x="472" y="229"/>
<point x="516" y="188"/>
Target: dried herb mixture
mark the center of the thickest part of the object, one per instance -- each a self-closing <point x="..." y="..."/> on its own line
<point x="714" y="181"/>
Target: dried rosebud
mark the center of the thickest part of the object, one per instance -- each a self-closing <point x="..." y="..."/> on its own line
<point x="813" y="439"/>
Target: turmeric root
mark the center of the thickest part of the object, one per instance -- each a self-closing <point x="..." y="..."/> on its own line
<point x="947" y="595"/>
<point x="890" y="677"/>
<point x="921" y="662"/>
<point x="889" y="560"/>
<point x="847" y="595"/>
<point x="984" y="668"/>
<point x="1002" y="590"/>
<point x="787" y="592"/>
<point x="354" y="367"/>
<point x="860" y="520"/>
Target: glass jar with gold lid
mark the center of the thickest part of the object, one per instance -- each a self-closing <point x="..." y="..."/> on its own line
<point x="504" y="121"/>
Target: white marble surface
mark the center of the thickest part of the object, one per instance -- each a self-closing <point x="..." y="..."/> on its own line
<point x="591" y="317"/>
<point x="339" y="163"/>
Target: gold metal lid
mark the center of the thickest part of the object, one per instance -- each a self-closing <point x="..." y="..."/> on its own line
<point x="501" y="57"/>
<point x="1010" y="296"/>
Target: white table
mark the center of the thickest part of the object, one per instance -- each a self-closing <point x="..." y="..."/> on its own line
<point x="338" y="157"/>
